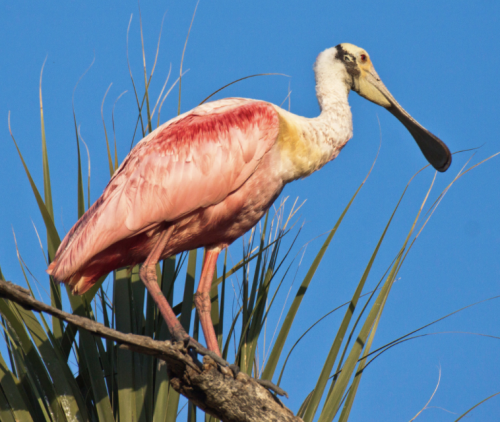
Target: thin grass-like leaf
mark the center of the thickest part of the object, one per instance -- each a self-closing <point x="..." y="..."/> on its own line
<point x="146" y="84"/>
<point x="45" y="158"/>
<point x="305" y="333"/>
<point x="402" y="338"/>
<point x="55" y="291"/>
<point x="166" y="95"/>
<point x="187" y="302"/>
<point x="285" y="329"/>
<point x="110" y="160"/>
<point x="165" y="397"/>
<point x="8" y="345"/>
<point x="476" y="405"/>
<point x="139" y="106"/>
<point x="115" y="167"/>
<point x="23" y="266"/>
<point x="177" y="308"/>
<point x="88" y="167"/>
<point x="258" y="264"/>
<point x="31" y="362"/>
<point x="339" y="337"/>
<point x="15" y="398"/>
<point x="99" y="392"/>
<point x="67" y="391"/>
<point x="47" y="219"/>
<point x="430" y="399"/>
<point x="230" y="333"/>
<point x="346" y="410"/>
<point x="239" y="80"/>
<point x="172" y="404"/>
<point x="39" y="407"/>
<point x="6" y="413"/>
<point x="222" y="303"/>
<point x="141" y="362"/>
<point x="214" y="311"/>
<point x="81" y="198"/>
<point x="125" y="358"/>
<point x="182" y="58"/>
<point x="161" y="93"/>
<point x="336" y="393"/>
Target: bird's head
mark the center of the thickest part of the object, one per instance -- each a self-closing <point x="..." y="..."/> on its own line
<point x="361" y="77"/>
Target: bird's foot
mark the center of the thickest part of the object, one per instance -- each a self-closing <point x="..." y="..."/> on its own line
<point x="191" y="343"/>
<point x="272" y="387"/>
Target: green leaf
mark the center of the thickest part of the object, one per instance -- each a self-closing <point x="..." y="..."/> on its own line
<point x="476" y="405"/>
<point x="89" y="352"/>
<point x="166" y="398"/>
<point x="28" y="360"/>
<point x="45" y="164"/>
<point x="214" y="311"/>
<point x="187" y="302"/>
<point x="125" y="358"/>
<point x="14" y="396"/>
<point x="6" y="414"/>
<point x="339" y="338"/>
<point x="287" y="324"/>
<point x="64" y="383"/>
<point x="110" y="160"/>
<point x="338" y="389"/>
<point x="177" y="308"/>
<point x="80" y="193"/>
<point x="344" y="416"/>
<point x="47" y="218"/>
<point x="220" y="327"/>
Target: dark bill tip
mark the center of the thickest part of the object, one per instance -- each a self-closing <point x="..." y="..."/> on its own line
<point x="435" y="151"/>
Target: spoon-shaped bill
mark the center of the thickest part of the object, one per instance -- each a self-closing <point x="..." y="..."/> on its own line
<point x="434" y="150"/>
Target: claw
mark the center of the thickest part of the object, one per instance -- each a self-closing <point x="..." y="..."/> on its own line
<point x="190" y="342"/>
<point x="235" y="368"/>
<point x="270" y="386"/>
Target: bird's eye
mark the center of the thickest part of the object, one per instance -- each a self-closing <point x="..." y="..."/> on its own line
<point x="363" y="57"/>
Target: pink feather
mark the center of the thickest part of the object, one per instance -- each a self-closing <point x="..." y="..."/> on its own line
<point x="206" y="172"/>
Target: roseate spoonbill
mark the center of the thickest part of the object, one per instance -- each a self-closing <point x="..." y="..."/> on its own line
<point x="207" y="176"/>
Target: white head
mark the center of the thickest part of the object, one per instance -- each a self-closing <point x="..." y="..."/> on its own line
<point x="345" y="67"/>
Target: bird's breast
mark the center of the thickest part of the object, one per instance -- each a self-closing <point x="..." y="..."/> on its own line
<point x="301" y="150"/>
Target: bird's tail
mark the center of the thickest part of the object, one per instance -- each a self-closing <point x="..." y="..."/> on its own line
<point x="73" y="261"/>
<point x="78" y="282"/>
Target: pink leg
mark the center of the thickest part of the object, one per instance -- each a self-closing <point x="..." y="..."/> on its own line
<point x="148" y="276"/>
<point x="202" y="298"/>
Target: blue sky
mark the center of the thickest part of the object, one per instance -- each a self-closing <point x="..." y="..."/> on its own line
<point x="439" y="60"/>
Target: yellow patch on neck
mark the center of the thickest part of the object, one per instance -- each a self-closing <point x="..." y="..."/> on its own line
<point x="303" y="155"/>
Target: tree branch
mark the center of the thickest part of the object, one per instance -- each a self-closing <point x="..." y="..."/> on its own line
<point x="212" y="388"/>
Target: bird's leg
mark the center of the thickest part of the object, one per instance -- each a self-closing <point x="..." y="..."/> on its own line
<point x="149" y="278"/>
<point x="202" y="298"/>
<point x="202" y="301"/>
<point x="204" y="307"/>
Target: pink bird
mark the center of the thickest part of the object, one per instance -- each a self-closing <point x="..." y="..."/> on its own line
<point x="206" y="177"/>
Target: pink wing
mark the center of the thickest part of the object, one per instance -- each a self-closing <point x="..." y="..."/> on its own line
<point x="193" y="161"/>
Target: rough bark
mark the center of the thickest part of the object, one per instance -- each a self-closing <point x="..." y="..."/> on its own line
<point x="209" y="386"/>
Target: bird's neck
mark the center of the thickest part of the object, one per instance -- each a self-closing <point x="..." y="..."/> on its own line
<point x="332" y="87"/>
<point x="306" y="145"/>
